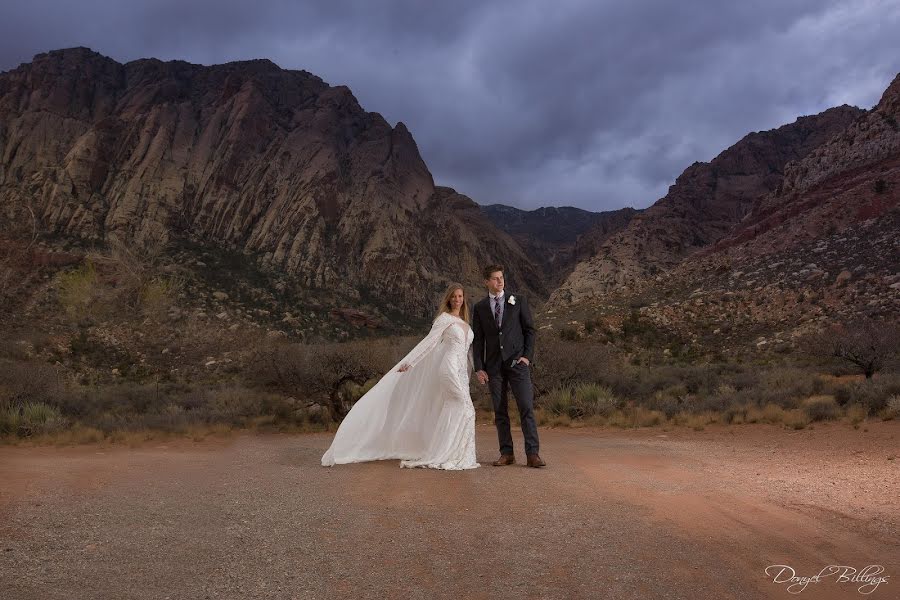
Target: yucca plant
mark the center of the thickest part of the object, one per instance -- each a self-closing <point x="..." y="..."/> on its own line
<point x="38" y="417"/>
<point x="10" y="419"/>
<point x="558" y="401"/>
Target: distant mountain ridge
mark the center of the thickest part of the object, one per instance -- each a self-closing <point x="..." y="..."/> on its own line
<point x="821" y="246"/>
<point x="706" y="202"/>
<point x="557" y="237"/>
<point x="246" y="155"/>
<point x="281" y="167"/>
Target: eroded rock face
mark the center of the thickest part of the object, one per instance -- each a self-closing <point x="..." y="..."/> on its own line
<point x="273" y="162"/>
<point x="870" y="139"/>
<point x="705" y="203"/>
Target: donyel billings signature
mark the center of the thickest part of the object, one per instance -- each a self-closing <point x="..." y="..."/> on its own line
<point x="869" y="577"/>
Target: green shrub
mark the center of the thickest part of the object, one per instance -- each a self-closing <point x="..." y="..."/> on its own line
<point x="591" y="399"/>
<point x="10" y="420"/>
<point x="558" y="401"/>
<point x="38" y="417"/>
<point x="78" y="290"/>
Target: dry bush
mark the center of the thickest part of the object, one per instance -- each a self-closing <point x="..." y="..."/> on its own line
<point x="892" y="408"/>
<point x="821" y="408"/>
<point x="637" y="416"/>
<point x="796" y="418"/>
<point x="696" y="421"/>
<point x="770" y="413"/>
<point x="324" y="372"/>
<point x="872" y="394"/>
<point x="560" y="363"/>
<point x="79" y="292"/>
<point x="24" y="381"/>
<point x="120" y="282"/>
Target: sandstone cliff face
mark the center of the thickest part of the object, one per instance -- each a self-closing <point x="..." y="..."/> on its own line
<point x="705" y="203"/>
<point x="272" y="162"/>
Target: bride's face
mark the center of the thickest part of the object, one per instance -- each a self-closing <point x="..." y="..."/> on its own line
<point x="456" y="300"/>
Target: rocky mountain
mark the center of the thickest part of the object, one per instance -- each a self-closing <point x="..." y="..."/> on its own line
<point x="557" y="237"/>
<point x="822" y="247"/>
<point x="244" y="156"/>
<point x="706" y="202"/>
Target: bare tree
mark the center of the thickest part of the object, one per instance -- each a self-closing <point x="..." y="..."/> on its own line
<point x="868" y="345"/>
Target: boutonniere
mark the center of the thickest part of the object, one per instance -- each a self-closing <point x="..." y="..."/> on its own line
<point x="512" y="300"/>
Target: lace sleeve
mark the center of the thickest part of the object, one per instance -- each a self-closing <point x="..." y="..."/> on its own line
<point x="425" y="346"/>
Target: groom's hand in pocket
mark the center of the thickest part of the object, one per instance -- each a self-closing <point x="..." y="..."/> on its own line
<point x="522" y="359"/>
<point x="482" y="377"/>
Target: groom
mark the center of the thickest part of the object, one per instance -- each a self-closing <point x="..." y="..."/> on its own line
<point x="503" y="348"/>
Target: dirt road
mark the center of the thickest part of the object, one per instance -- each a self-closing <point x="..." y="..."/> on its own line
<point x="616" y="514"/>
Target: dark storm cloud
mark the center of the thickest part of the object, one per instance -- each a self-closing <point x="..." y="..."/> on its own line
<point x="592" y="104"/>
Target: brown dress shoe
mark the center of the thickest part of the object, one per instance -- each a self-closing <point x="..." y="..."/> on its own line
<point x="534" y="460"/>
<point x="505" y="459"/>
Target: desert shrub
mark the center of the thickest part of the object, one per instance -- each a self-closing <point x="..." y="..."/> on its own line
<point x="640" y="382"/>
<point x="568" y="334"/>
<point x="868" y="345"/>
<point x="783" y="386"/>
<point x="324" y="371"/>
<point x="78" y="290"/>
<point x="120" y="281"/>
<point x="233" y="405"/>
<point x="667" y="404"/>
<point x="37" y="418"/>
<point x="559" y="363"/>
<point x="870" y="394"/>
<point x="591" y="399"/>
<point x="637" y="416"/>
<point x="87" y="402"/>
<point x="557" y="401"/>
<point x="821" y="408"/>
<point x="892" y="408"/>
<point x="158" y="295"/>
<point x="795" y="419"/>
<point x="856" y="413"/>
<point x="770" y="413"/>
<point x="28" y="381"/>
<point x="696" y="420"/>
<point x="10" y="419"/>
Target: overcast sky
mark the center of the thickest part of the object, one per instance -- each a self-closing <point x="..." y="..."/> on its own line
<point x="596" y="104"/>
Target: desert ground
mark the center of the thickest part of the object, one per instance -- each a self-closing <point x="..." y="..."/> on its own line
<point x="643" y="513"/>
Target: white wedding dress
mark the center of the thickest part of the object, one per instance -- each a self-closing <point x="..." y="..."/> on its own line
<point x="423" y="416"/>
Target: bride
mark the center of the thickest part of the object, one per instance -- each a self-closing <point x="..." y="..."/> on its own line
<point x="420" y="411"/>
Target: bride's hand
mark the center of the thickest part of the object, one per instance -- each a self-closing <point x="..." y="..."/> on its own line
<point x="403" y="368"/>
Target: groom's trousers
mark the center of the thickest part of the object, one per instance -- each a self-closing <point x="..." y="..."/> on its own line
<point x="519" y="379"/>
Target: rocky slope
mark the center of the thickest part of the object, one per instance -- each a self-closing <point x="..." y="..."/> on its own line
<point x="705" y="203"/>
<point x="557" y="237"/>
<point x="823" y="247"/>
<point x="246" y="156"/>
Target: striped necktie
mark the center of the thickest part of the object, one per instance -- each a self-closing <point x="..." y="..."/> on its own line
<point x="497" y="311"/>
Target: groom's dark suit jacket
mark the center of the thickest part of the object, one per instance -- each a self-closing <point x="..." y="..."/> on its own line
<point x="491" y="347"/>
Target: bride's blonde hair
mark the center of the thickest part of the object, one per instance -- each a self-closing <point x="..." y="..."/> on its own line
<point x="444" y="306"/>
